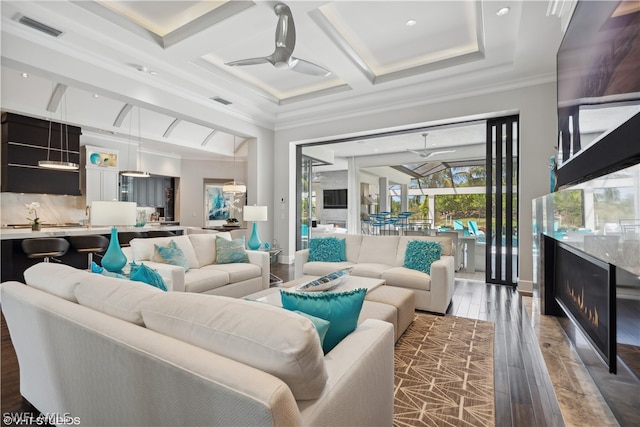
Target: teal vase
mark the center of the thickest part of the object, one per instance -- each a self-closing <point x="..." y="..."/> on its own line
<point x="254" y="242"/>
<point x="114" y="259"/>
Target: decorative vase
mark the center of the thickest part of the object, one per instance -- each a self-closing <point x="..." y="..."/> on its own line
<point x="254" y="242"/>
<point x="36" y="226"/>
<point x="141" y="218"/>
<point x="114" y="259"/>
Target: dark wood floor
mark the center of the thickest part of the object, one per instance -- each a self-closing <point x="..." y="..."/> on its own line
<point x="523" y="390"/>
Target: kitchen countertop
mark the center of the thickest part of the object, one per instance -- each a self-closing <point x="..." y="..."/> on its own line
<point x="26" y="233"/>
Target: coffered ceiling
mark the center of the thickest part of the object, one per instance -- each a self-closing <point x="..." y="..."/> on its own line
<point x="168" y="59"/>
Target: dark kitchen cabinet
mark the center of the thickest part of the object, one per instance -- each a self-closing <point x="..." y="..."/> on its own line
<point x="155" y="191"/>
<point x="25" y="141"/>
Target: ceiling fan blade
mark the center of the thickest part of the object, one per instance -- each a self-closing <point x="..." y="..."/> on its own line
<point x="435" y="153"/>
<point x="443" y="152"/>
<point x="285" y="30"/>
<point x="306" y="67"/>
<point x="420" y="153"/>
<point x="250" y="61"/>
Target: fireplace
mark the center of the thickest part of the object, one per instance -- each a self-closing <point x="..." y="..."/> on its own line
<point x="584" y="287"/>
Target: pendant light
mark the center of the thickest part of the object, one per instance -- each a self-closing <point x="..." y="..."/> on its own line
<point x="59" y="164"/>
<point x="137" y="173"/>
<point x="234" y="186"/>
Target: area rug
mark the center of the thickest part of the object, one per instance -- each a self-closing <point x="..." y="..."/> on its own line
<point x="444" y="373"/>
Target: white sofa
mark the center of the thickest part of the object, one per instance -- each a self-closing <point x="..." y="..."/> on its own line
<point x="106" y="360"/>
<point x="204" y="275"/>
<point x="382" y="257"/>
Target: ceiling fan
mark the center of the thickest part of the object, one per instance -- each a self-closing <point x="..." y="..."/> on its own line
<point x="426" y="154"/>
<point x="282" y="57"/>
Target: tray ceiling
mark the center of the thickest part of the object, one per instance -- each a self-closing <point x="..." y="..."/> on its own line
<point x="167" y="57"/>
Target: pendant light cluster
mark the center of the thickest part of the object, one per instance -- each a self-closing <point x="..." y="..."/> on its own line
<point x="234" y="187"/>
<point x="137" y="173"/>
<point x="62" y="164"/>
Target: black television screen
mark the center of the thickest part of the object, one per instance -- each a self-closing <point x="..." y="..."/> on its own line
<point x="598" y="89"/>
<point x="334" y="199"/>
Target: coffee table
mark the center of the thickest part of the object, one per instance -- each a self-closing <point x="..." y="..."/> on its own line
<point x="388" y="303"/>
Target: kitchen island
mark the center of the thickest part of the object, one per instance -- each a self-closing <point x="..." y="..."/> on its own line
<point x="15" y="261"/>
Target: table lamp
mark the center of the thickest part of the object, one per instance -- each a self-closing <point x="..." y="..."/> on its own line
<point x="255" y="214"/>
<point x="115" y="214"/>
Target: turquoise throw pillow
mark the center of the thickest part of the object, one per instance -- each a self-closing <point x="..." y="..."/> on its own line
<point x="95" y="268"/>
<point x="322" y="326"/>
<point x="420" y="254"/>
<point x="144" y="274"/>
<point x="171" y="254"/>
<point x="229" y="252"/>
<point x="327" y="249"/>
<point x="341" y="309"/>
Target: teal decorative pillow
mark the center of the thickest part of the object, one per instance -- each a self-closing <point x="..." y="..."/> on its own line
<point x="229" y="252"/>
<point x="144" y="274"/>
<point x="322" y="326"/>
<point x="327" y="249"/>
<point x="170" y="254"/>
<point x="95" y="268"/>
<point x="420" y="254"/>
<point x="341" y="309"/>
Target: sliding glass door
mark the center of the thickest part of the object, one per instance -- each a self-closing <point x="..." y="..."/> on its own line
<point x="305" y="202"/>
<point x="502" y="202"/>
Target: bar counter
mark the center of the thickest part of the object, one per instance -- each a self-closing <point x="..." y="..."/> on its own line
<point x="15" y="261"/>
<point x="8" y="233"/>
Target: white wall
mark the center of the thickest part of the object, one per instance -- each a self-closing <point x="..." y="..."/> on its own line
<point x="257" y="174"/>
<point x="537" y="108"/>
<point x="191" y="189"/>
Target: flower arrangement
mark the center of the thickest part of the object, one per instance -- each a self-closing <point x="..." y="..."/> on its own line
<point x="32" y="209"/>
<point x="232" y="208"/>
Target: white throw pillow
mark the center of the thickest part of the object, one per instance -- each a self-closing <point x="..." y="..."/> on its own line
<point x="266" y="337"/>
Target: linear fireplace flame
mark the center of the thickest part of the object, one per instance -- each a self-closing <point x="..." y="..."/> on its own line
<point x="578" y="298"/>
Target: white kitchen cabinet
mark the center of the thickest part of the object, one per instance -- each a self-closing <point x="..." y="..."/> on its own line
<point x="101" y="176"/>
<point x="101" y="185"/>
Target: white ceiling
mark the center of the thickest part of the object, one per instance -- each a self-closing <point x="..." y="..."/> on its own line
<point x="167" y="58"/>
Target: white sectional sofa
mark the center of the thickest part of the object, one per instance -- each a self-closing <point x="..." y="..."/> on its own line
<point x="105" y="351"/>
<point x="204" y="275"/>
<point x="382" y="257"/>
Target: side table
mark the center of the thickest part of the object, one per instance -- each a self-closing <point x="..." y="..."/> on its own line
<point x="273" y="258"/>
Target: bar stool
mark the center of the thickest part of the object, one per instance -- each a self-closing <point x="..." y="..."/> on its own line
<point x="93" y="244"/>
<point x="45" y="247"/>
<point x="124" y="237"/>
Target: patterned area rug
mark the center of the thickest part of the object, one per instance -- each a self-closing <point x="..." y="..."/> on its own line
<point x="444" y="373"/>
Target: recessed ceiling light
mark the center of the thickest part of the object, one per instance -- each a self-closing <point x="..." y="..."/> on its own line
<point x="95" y="95"/>
<point x="153" y="73"/>
<point x="25" y="75"/>
<point x="503" y="11"/>
<point x="410" y="23"/>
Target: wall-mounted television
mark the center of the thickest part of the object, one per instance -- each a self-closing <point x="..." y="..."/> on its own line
<point x="334" y="199"/>
<point x="599" y="91"/>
